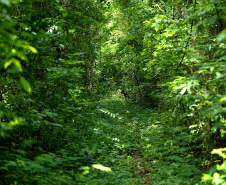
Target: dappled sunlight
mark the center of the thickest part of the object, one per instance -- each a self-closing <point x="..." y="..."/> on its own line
<point x="110" y="92"/>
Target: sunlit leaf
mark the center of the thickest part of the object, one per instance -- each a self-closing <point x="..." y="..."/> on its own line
<point x="7" y="64"/>
<point x="101" y="167"/>
<point x="15" y="122"/>
<point x="205" y="177"/>
<point x="86" y="170"/>
<point x="183" y="91"/>
<point x="33" y="50"/>
<point x="25" y="84"/>
<point x="17" y="64"/>
<point x="221" y="36"/>
<point x="220" y="152"/>
<point x="181" y="86"/>
<point x="6" y="2"/>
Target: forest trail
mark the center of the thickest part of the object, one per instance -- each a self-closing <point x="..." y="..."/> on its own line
<point x="140" y="146"/>
<point x="144" y="172"/>
<point x="111" y="92"/>
<point x="126" y="125"/>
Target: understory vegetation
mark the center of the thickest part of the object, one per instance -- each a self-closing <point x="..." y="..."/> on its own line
<point x="113" y="92"/>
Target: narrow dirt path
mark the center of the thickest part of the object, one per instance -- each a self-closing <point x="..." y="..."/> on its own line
<point x="124" y="126"/>
<point x="144" y="171"/>
<point x="147" y="146"/>
<point x="139" y="121"/>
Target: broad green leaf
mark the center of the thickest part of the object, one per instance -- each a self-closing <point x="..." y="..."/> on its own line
<point x="86" y="170"/>
<point x="33" y="50"/>
<point x="18" y="65"/>
<point x="11" y="124"/>
<point x="27" y="46"/>
<point x="15" y="62"/>
<point x="101" y="167"/>
<point x="181" y="86"/>
<point x="13" y="69"/>
<point x="25" y="84"/>
<point x="205" y="177"/>
<point x="221" y="36"/>
<point x="15" y="122"/>
<point x="6" y="2"/>
<point x="64" y="13"/>
<point x="7" y="64"/>
<point x="220" y="152"/>
<point x="11" y="163"/>
<point x="55" y="124"/>
<point x="183" y="91"/>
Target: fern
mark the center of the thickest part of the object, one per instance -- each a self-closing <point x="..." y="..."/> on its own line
<point x="113" y="115"/>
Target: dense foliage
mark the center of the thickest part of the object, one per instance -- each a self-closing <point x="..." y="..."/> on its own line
<point x="113" y="92"/>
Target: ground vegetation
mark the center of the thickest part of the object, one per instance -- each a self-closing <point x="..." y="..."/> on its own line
<point x="112" y="92"/>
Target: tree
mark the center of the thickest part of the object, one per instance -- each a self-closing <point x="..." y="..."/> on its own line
<point x="45" y="45"/>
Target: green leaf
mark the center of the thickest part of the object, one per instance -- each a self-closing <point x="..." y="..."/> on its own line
<point x="101" y="167"/>
<point x="25" y="84"/>
<point x="6" y="2"/>
<point x="33" y="50"/>
<point x="7" y="64"/>
<point x="16" y="63"/>
<point x="221" y="36"/>
<point x="183" y="91"/>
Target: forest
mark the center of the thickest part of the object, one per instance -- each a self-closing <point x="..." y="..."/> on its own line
<point x="112" y="92"/>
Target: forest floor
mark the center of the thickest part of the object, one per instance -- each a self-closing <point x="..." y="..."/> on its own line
<point x="123" y="129"/>
<point x="135" y="143"/>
